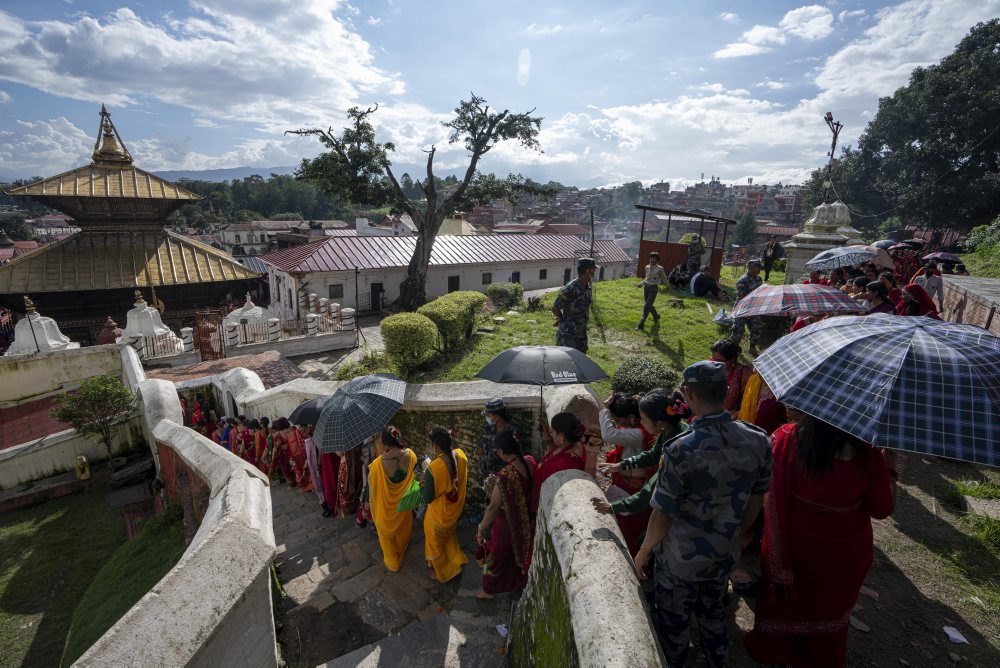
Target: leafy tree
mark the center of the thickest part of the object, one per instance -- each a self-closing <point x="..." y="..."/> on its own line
<point x="357" y="168"/>
<point x="93" y="409"/>
<point x="745" y="232"/>
<point x="15" y="227"/>
<point x="286" y="216"/>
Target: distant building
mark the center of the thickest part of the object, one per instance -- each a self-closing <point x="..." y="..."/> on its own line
<point x="257" y="237"/>
<point x="387" y="226"/>
<point x="354" y="271"/>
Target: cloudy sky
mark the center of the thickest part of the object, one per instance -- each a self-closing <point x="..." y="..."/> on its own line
<point x="645" y="90"/>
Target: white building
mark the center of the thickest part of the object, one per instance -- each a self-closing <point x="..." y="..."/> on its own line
<point x="257" y="237"/>
<point x="355" y="271"/>
<point x="389" y="226"/>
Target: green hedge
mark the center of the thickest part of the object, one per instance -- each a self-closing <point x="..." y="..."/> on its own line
<point x="505" y="295"/>
<point x="454" y="314"/>
<point x="638" y="375"/>
<point x="409" y="339"/>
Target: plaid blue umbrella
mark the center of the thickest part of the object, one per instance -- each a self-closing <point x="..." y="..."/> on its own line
<point x="905" y="383"/>
<point x="357" y="410"/>
<point x="843" y="256"/>
<point x="795" y="299"/>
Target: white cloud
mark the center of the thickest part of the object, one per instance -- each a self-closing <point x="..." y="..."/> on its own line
<point x="736" y="134"/>
<point x="844" y="15"/>
<point x="771" y="85"/>
<point x="535" y="30"/>
<point x="808" y="23"/>
<point x="278" y="66"/>
<point x="205" y="123"/>
<point x="729" y="17"/>
<point x="741" y="50"/>
<point x="43" y="148"/>
<point x="523" y="67"/>
<point x="374" y="21"/>
<point x="5" y="97"/>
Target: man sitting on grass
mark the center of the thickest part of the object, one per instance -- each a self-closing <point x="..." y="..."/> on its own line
<point x="703" y="284"/>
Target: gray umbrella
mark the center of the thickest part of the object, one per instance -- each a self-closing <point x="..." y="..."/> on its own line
<point x="357" y="410"/>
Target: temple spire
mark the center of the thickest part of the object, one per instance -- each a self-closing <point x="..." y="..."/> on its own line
<point x="109" y="149"/>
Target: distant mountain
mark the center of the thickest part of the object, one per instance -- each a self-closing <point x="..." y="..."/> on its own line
<point x="232" y="174"/>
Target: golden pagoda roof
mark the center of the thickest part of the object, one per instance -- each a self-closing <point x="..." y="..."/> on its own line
<point x="110" y="188"/>
<point x="108" y="259"/>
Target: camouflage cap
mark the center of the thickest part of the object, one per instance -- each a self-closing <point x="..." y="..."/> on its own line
<point x="494" y="406"/>
<point x="585" y="263"/>
<point x="755" y="263"/>
<point x="705" y="372"/>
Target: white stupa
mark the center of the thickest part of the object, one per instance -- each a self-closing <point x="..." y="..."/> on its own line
<point x="828" y="227"/>
<point x="35" y="333"/>
<point x="249" y="312"/>
<point x="144" y="320"/>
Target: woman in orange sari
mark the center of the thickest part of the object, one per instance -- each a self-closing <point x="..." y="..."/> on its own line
<point x="443" y="490"/>
<point x="506" y="554"/>
<point x="737" y="375"/>
<point x="389" y="478"/>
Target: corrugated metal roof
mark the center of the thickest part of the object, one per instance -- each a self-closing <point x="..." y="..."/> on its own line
<point x="253" y="263"/>
<point x="349" y="253"/>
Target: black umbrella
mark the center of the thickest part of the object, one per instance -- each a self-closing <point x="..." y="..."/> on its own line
<point x="884" y="243"/>
<point x="308" y="412"/>
<point x="914" y="243"/>
<point x="542" y="365"/>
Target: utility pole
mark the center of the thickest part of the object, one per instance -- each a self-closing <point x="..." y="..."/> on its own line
<point x="835" y="128"/>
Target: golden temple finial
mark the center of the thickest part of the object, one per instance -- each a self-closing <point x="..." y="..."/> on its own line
<point x="29" y="306"/>
<point x="138" y="298"/>
<point x="109" y="149"/>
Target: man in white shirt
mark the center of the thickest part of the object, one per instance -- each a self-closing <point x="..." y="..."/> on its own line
<point x="933" y="285"/>
<point x="650" y="286"/>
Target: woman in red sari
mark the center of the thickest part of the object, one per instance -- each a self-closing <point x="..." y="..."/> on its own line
<point x="826" y="486"/>
<point x="728" y="352"/>
<point x="566" y="452"/>
<point x="916" y="301"/>
<point x="297" y="457"/>
<point x="506" y="554"/>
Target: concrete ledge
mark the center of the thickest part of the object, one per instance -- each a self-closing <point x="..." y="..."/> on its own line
<point x="214" y="607"/>
<point x="583" y="604"/>
<point x="984" y="507"/>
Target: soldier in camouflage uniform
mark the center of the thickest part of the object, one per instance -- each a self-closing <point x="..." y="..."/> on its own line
<point x="711" y="483"/>
<point x="747" y="283"/>
<point x="572" y="307"/>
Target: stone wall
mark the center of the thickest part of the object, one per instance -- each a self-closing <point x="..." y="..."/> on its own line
<point x="967" y="300"/>
<point x="583" y="605"/>
<point x="57" y="453"/>
<point x="27" y="377"/>
<point x="214" y="607"/>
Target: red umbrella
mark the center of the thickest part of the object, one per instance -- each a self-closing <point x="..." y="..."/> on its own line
<point x="796" y="299"/>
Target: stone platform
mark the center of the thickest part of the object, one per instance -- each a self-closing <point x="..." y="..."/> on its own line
<point x="341" y="599"/>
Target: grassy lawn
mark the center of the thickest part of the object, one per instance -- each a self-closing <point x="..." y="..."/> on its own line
<point x="131" y="572"/>
<point x="684" y="335"/>
<point x="49" y="554"/>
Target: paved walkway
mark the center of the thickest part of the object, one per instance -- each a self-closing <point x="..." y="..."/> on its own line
<point x="324" y="365"/>
<point x="340" y="597"/>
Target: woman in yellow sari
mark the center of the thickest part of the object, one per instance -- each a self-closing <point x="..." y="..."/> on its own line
<point x="389" y="478"/>
<point x="443" y="490"/>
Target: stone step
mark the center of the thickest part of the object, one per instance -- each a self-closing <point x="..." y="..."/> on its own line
<point x="431" y="643"/>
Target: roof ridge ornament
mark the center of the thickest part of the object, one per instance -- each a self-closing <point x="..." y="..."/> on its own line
<point x="109" y="149"/>
<point x="29" y="306"/>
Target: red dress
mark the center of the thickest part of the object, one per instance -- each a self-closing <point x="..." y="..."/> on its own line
<point x="558" y="459"/>
<point x="816" y="552"/>
<point x="507" y="557"/>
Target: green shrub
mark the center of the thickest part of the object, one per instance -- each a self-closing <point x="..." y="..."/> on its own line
<point x="533" y="304"/>
<point x="505" y="295"/>
<point x="780" y="265"/>
<point x="637" y="375"/>
<point x="409" y="339"/>
<point x="372" y="361"/>
<point x="454" y="315"/>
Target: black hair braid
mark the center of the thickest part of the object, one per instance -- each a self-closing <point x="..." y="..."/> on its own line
<point x="441" y="437"/>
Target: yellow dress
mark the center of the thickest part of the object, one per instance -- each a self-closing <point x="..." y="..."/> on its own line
<point x="394" y="528"/>
<point x="751" y="396"/>
<point x="441" y="547"/>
